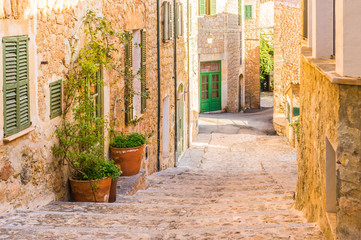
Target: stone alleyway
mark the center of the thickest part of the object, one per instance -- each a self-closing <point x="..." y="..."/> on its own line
<point x="236" y="182"/>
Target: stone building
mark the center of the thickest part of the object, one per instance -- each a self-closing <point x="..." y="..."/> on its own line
<point x="225" y="84"/>
<point x="39" y="31"/>
<point x="287" y="51"/>
<point x="329" y="187"/>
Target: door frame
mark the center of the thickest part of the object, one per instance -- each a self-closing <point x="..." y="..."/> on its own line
<point x="219" y="73"/>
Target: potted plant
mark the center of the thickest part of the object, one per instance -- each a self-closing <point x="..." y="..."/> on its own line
<point x="127" y="151"/>
<point x="81" y="133"/>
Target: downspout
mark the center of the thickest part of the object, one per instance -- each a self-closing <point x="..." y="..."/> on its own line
<point x="189" y="75"/>
<point x="175" y="84"/>
<point x="159" y="96"/>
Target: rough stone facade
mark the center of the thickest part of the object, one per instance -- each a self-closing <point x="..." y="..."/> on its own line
<point x="29" y="174"/>
<point x="225" y="31"/>
<point x="251" y="58"/>
<point x="287" y="51"/>
<point x="329" y="111"/>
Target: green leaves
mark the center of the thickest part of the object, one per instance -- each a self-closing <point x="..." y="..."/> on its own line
<point x="128" y="140"/>
<point x="266" y="56"/>
<point x="80" y="136"/>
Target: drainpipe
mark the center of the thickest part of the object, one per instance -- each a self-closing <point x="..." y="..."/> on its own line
<point x="189" y="76"/>
<point x="175" y="85"/>
<point x="159" y="104"/>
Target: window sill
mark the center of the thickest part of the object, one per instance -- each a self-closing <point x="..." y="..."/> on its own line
<point x="19" y="134"/>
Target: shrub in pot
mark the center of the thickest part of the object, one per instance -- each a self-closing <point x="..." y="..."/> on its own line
<point x="127" y="151"/>
<point x="81" y="134"/>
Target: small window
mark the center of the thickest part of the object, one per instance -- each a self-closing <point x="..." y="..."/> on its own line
<point x="179" y="20"/>
<point x="168" y="21"/>
<point x="16" y="84"/>
<point x="239" y="12"/>
<point x="248" y="11"/>
<point x="207" y="7"/>
<point x="55" y="99"/>
<point x="296" y="111"/>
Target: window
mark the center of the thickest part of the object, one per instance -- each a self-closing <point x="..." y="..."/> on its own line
<point x="55" y="99"/>
<point x="207" y="7"/>
<point x="240" y="12"/>
<point x="16" y="84"/>
<point x="305" y="19"/>
<point x="168" y="21"/>
<point x="143" y="63"/>
<point x="128" y="78"/>
<point x="248" y="11"/>
<point x="179" y="20"/>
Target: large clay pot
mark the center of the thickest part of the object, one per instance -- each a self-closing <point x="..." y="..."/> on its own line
<point x="129" y="159"/>
<point x="83" y="192"/>
<point x="113" y="191"/>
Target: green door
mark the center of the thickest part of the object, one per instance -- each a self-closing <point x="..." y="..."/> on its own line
<point x="211" y="92"/>
<point x="180" y="127"/>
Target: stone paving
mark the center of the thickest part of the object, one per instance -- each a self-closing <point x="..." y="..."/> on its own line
<point x="228" y="186"/>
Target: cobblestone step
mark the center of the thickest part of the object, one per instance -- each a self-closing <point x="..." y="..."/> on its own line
<point x="271" y="231"/>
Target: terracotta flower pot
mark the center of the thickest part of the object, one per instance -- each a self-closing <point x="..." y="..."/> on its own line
<point x="83" y="192"/>
<point x="129" y="159"/>
<point x="113" y="190"/>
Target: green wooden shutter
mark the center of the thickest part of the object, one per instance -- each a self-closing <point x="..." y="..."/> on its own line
<point x="177" y="19"/>
<point x="165" y="24"/>
<point x="171" y="21"/>
<point x="239" y="12"/>
<point x="129" y="79"/>
<point x="296" y="111"/>
<point x="248" y="11"/>
<point x="55" y="99"/>
<point x="288" y="112"/>
<point x="16" y="84"/>
<point x="100" y="93"/>
<point x="202" y="7"/>
<point x="144" y="71"/>
<point x="213" y="9"/>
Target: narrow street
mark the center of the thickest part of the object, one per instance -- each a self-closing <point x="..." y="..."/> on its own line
<point x="236" y="182"/>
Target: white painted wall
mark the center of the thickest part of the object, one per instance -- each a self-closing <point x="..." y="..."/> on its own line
<point x="322" y="29"/>
<point x="348" y="38"/>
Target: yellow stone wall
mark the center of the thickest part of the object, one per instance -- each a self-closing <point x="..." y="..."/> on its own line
<point x="29" y="174"/>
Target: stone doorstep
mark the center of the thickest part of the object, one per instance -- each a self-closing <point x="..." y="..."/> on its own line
<point x="130" y="185"/>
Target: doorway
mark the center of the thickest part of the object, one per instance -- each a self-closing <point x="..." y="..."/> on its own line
<point x="210" y="83"/>
<point x="180" y="121"/>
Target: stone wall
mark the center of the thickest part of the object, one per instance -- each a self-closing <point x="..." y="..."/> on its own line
<point x="225" y="31"/>
<point x="29" y="174"/>
<point x="287" y="50"/>
<point x="319" y="119"/>
<point x="329" y="111"/>
<point x="349" y="163"/>
<point x="251" y="38"/>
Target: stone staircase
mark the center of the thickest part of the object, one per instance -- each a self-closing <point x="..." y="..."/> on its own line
<point x="178" y="204"/>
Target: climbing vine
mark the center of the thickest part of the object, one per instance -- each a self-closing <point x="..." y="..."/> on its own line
<point x="81" y="133"/>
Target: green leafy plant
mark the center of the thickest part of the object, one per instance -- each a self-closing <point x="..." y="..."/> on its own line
<point x="266" y="56"/>
<point x="296" y="126"/>
<point x="130" y="140"/>
<point x="80" y="135"/>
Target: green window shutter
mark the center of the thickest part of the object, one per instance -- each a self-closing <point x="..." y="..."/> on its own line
<point x="55" y="99"/>
<point x="16" y="84"/>
<point x="165" y="24"/>
<point x="239" y="12"/>
<point x="100" y="93"/>
<point x="213" y="7"/>
<point x="129" y="78"/>
<point x="144" y="71"/>
<point x="248" y="11"/>
<point x="202" y="7"/>
<point x="177" y="8"/>
<point x="296" y="111"/>
<point x="288" y="112"/>
<point x="171" y="21"/>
